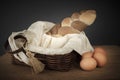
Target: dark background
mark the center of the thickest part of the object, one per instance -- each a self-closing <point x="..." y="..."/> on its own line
<point x="19" y="15"/>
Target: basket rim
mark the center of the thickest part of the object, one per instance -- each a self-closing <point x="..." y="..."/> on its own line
<point x="49" y="51"/>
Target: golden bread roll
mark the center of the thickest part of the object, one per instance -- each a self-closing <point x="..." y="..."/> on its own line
<point x="66" y="22"/>
<point x="75" y="16"/>
<point x="82" y="11"/>
<point x="88" y="17"/>
<point x="78" y="25"/>
<point x="67" y="30"/>
<point x="54" y="30"/>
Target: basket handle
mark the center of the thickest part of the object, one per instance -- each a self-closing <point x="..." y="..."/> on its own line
<point x="7" y="46"/>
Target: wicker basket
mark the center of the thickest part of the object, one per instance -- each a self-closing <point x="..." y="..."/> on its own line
<point x="54" y="62"/>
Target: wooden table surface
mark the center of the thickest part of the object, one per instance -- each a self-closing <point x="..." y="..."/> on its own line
<point x="111" y="71"/>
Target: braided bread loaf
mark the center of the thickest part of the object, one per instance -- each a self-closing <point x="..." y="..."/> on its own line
<point x="74" y="24"/>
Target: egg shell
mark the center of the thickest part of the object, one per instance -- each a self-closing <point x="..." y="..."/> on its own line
<point x="101" y="50"/>
<point x="87" y="54"/>
<point x="100" y="58"/>
<point x="88" y="64"/>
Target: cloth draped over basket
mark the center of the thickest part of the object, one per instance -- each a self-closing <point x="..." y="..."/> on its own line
<point x="39" y="42"/>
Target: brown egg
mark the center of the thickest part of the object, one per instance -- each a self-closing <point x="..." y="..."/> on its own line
<point x="101" y="50"/>
<point x="101" y="58"/>
<point x="87" y="55"/>
<point x="88" y="64"/>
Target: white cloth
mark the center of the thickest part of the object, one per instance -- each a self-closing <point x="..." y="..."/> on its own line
<point x="38" y="41"/>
